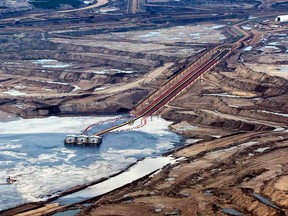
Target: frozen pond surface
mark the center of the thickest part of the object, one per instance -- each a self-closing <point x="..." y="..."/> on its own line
<point x="137" y="171"/>
<point x="32" y="151"/>
<point x="14" y="93"/>
<point x="50" y="63"/>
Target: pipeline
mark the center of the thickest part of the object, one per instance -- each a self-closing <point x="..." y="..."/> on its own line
<point x="147" y="111"/>
<point x="112" y="120"/>
<point x="142" y="124"/>
<point x="179" y="84"/>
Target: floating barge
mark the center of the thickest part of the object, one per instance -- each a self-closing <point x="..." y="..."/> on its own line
<point x="82" y="140"/>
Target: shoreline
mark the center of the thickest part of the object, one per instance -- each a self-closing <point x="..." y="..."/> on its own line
<point x="208" y="170"/>
<point x="54" y="196"/>
<point x="78" y="188"/>
<point x="175" y="152"/>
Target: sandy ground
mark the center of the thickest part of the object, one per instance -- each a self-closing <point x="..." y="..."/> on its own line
<point x="214" y="175"/>
<point x="243" y="119"/>
<point x="204" y="33"/>
<point x="210" y="180"/>
<point x="147" y="78"/>
<point x="271" y="69"/>
<point x="39" y="211"/>
<point x="242" y="173"/>
<point x="4" y="117"/>
<point x="148" y="47"/>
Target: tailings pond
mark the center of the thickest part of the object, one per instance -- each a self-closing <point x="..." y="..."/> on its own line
<point x="32" y="151"/>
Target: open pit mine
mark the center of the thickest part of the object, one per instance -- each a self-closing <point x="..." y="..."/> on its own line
<point x="217" y="70"/>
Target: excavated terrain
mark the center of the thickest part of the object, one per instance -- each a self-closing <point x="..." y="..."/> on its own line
<point x="8" y="7"/>
<point x="234" y="118"/>
<point x="244" y="174"/>
<point x="241" y="168"/>
<point x="248" y="92"/>
<point x="45" y="72"/>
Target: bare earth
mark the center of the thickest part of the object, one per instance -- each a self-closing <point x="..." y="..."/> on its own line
<point x="234" y="117"/>
<point x="211" y="177"/>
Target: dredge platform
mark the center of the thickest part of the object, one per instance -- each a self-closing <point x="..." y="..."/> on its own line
<point x="82" y="140"/>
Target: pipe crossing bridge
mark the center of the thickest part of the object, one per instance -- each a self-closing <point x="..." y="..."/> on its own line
<point x="154" y="103"/>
